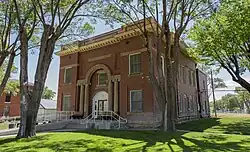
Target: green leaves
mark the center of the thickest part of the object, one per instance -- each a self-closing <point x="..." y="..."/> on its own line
<point x="48" y="93"/>
<point x="12" y="85"/>
<point x="224" y="38"/>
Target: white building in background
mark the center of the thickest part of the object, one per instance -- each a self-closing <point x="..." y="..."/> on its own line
<point x="47" y="110"/>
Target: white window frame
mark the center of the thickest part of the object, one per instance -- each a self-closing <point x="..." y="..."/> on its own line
<point x="64" y="77"/>
<point x="130" y="61"/>
<point x="63" y="100"/>
<point x="130" y="97"/>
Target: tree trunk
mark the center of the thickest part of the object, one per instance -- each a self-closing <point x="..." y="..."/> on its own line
<point x="7" y="72"/>
<point x="243" y="83"/>
<point x="24" y="90"/>
<point x="46" y="51"/>
<point x="3" y="56"/>
<point x="165" y="118"/>
<point x="170" y="99"/>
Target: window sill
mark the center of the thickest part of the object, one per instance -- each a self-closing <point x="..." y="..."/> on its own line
<point x="67" y="83"/>
<point x="135" y="74"/>
<point x="7" y="102"/>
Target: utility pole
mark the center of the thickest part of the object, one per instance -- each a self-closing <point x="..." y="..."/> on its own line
<point x="212" y="84"/>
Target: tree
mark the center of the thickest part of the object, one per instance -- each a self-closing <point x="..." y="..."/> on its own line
<point x="8" y="44"/>
<point x="223" y="39"/>
<point x="12" y="85"/>
<point x="243" y="97"/>
<point x="53" y="20"/>
<point x="218" y="82"/>
<point x="180" y="13"/>
<point x="229" y="102"/>
<point x="48" y="93"/>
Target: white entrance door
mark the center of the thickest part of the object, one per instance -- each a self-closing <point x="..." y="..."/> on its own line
<point x="100" y="103"/>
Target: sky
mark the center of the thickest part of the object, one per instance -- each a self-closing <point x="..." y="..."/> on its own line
<point x="53" y="73"/>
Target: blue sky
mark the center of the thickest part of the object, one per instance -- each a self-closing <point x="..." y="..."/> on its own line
<point x="53" y="73"/>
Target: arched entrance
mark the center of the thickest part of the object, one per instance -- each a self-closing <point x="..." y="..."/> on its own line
<point x="100" y="102"/>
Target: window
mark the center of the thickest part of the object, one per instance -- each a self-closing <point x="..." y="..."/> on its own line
<point x="67" y="75"/>
<point x="102" y="78"/>
<point x="135" y="64"/>
<point x="8" y="97"/>
<point x="66" y="103"/>
<point x="194" y="79"/>
<point x="136" y="101"/>
<point x="181" y="103"/>
<point x="190" y="102"/>
<point x="194" y="103"/>
<point x="184" y="103"/>
<point x="6" y="111"/>
<point x="184" y="74"/>
<point x="190" y="77"/>
<point x="204" y="86"/>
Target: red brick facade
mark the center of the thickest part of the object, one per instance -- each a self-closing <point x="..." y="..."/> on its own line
<point x="13" y="105"/>
<point x="114" y="60"/>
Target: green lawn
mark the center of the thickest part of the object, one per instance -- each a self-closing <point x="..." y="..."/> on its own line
<point x="210" y="139"/>
<point x="3" y="126"/>
<point x="228" y="125"/>
<point x="130" y="141"/>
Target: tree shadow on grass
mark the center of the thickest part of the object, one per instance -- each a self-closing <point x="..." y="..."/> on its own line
<point x="211" y="144"/>
<point x="199" y="125"/>
<point x="241" y="127"/>
<point x="186" y="143"/>
<point x="130" y="141"/>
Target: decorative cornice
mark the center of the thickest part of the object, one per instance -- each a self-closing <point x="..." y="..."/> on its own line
<point x="129" y="33"/>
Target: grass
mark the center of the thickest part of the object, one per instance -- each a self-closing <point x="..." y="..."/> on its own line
<point x="225" y="124"/>
<point x="3" y="126"/>
<point x="208" y="135"/>
<point x="126" y="141"/>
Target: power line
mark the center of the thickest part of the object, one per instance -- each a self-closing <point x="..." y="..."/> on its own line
<point x="232" y="90"/>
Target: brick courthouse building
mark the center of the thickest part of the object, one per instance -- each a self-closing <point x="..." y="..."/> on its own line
<point x="109" y="72"/>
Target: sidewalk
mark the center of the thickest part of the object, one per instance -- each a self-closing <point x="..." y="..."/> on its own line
<point x="8" y="132"/>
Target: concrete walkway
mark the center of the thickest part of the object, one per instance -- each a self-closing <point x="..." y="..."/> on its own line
<point x="8" y="132"/>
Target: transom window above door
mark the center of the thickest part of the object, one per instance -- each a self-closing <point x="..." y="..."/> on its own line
<point x="102" y="79"/>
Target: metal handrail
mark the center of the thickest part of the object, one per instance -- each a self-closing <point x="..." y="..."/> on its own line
<point x="102" y="114"/>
